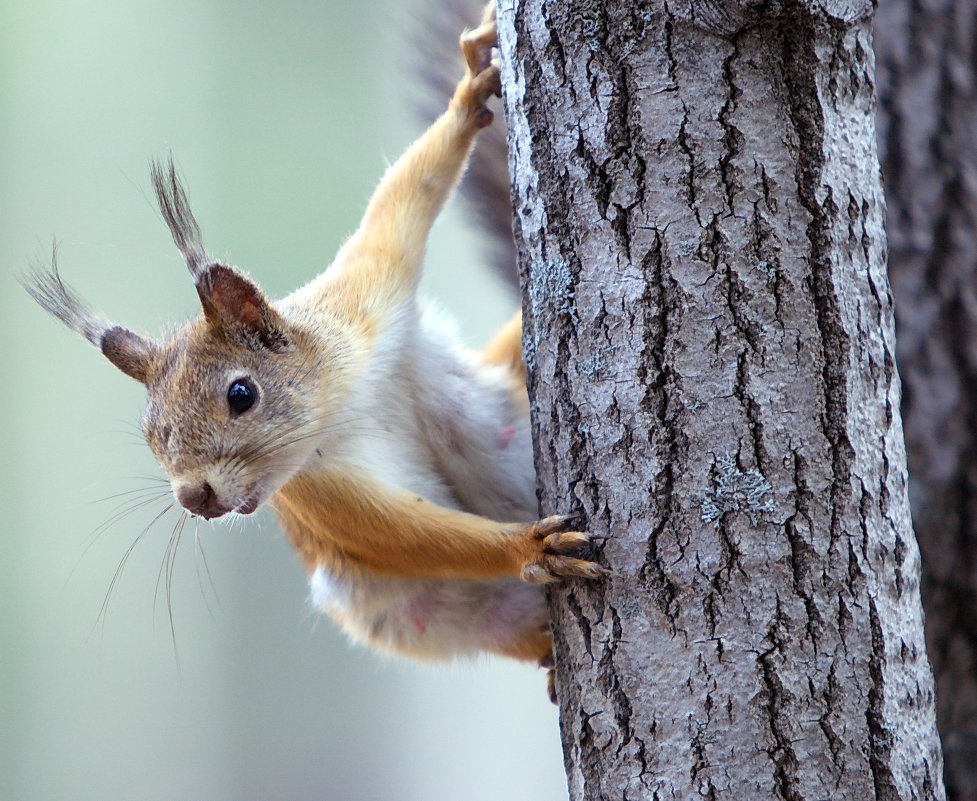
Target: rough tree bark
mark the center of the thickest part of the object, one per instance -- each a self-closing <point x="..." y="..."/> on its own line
<point x="927" y="78"/>
<point x="708" y="332"/>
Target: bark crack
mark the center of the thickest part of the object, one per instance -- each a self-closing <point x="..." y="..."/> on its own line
<point x="804" y="106"/>
<point x="880" y="738"/>
<point x="732" y="139"/>
<point x="777" y="706"/>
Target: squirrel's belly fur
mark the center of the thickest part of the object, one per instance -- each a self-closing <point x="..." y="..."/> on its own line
<point x="435" y="619"/>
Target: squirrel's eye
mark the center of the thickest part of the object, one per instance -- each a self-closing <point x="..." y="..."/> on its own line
<point x="241" y="396"/>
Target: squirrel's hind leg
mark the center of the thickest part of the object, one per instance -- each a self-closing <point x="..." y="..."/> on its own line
<point x="505" y="349"/>
<point x="535" y="644"/>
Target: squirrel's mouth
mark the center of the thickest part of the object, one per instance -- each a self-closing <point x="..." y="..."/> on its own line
<point x="252" y="503"/>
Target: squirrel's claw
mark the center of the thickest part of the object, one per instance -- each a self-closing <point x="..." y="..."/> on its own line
<point x="553" y="540"/>
<point x="476" y="45"/>
<point x="483" y="76"/>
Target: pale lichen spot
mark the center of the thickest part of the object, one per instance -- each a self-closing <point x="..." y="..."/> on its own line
<point x="734" y="490"/>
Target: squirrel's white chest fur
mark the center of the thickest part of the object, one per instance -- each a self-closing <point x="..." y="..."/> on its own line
<point x="429" y="417"/>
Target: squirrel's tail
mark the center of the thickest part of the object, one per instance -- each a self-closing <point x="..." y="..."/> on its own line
<point x="485" y="187"/>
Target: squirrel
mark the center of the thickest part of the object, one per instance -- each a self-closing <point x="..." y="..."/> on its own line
<point x="393" y="457"/>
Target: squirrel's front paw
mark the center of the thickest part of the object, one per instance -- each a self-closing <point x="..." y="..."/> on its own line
<point x="551" y="539"/>
<point x="483" y="79"/>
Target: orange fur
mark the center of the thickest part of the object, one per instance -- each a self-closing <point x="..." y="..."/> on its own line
<point x="381" y="262"/>
<point x="350" y="521"/>
<point x="505" y="350"/>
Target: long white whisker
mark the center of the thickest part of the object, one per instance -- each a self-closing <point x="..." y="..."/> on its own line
<point x="203" y="559"/>
<point x="165" y="576"/>
<point x="100" y="618"/>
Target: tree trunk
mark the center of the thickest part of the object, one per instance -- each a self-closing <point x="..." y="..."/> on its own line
<point x="927" y="57"/>
<point x="708" y="333"/>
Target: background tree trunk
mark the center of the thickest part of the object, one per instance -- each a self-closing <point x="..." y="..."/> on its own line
<point x="927" y="76"/>
<point x="710" y="348"/>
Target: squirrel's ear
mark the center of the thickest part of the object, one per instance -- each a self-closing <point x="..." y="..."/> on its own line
<point x="132" y="354"/>
<point x="233" y="302"/>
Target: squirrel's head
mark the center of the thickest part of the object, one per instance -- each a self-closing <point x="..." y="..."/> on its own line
<point x="235" y="398"/>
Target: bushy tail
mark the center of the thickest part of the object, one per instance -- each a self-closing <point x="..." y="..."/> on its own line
<point x="438" y="63"/>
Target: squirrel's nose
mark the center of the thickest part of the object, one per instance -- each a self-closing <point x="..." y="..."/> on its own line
<point x="200" y="499"/>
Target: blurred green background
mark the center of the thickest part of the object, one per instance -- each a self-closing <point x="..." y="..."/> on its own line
<point x="280" y="117"/>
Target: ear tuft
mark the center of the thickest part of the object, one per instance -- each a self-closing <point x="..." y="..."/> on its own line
<point x="61" y="301"/>
<point x="175" y="208"/>
<point x="129" y="352"/>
